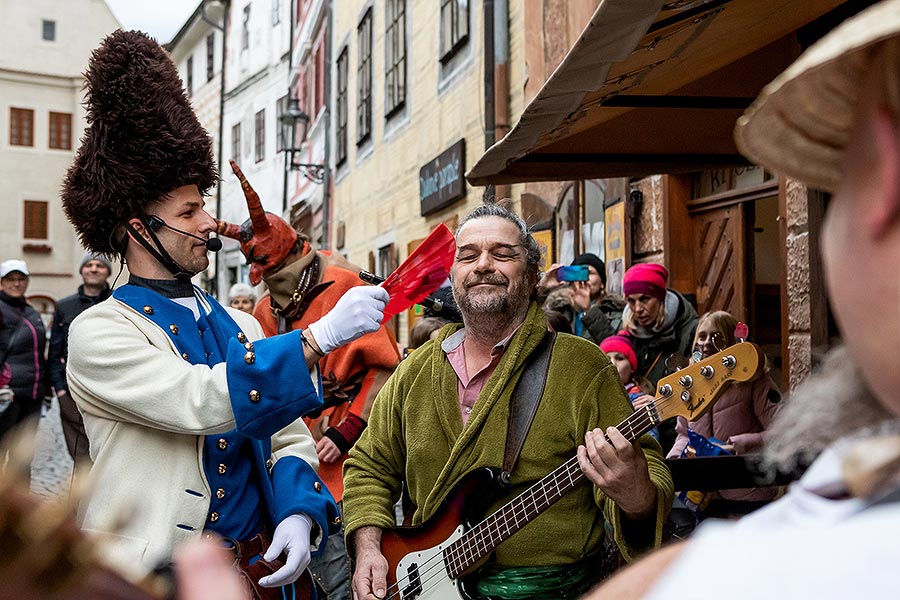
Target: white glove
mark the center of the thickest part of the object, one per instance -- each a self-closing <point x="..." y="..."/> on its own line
<point x="358" y="312"/>
<point x="291" y="537"/>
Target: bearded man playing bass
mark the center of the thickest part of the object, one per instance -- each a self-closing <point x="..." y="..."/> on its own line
<point x="444" y="414"/>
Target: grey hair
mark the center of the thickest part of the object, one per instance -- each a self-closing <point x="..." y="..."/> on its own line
<point x="532" y="250"/>
<point x="833" y="403"/>
<point x="241" y="289"/>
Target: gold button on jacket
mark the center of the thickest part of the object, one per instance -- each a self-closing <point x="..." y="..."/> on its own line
<point x="173" y="328"/>
<point x="254" y="396"/>
<point x="220" y="493"/>
<point x="250" y="358"/>
<point x="223" y="443"/>
<point x="222" y="469"/>
<point x="148" y="310"/>
<point x="213" y="517"/>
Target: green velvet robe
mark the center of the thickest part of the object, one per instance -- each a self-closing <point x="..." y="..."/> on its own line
<point x="415" y="433"/>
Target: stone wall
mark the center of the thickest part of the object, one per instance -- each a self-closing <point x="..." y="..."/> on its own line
<point x="798" y="360"/>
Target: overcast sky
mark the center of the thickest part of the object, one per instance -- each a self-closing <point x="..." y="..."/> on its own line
<point x="160" y="18"/>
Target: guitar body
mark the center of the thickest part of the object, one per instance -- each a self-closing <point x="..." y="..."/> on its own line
<point x="415" y="563"/>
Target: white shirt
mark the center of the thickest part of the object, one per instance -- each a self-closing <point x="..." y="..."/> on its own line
<point x="804" y="545"/>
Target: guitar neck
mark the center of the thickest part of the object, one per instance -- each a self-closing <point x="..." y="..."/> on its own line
<point x="482" y="539"/>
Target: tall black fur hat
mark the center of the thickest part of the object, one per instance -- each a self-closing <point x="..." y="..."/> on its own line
<point x="142" y="141"/>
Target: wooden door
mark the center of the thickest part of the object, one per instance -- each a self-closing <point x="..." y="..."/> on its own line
<point x="721" y="260"/>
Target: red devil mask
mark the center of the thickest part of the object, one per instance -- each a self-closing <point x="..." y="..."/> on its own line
<point x="266" y="239"/>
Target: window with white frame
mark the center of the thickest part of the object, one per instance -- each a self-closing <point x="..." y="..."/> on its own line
<point x="276" y="12"/>
<point x="236" y="143"/>
<point x="394" y="56"/>
<point x="364" y="79"/>
<point x="342" y="106"/>
<point x="245" y="29"/>
<point x="210" y="56"/>
<point x="260" y="127"/>
<point x="454" y="27"/>
<point x="189" y="79"/>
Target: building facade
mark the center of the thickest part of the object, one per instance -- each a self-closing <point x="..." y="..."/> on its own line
<point x="43" y="53"/>
<point x="197" y="50"/>
<point x="410" y="116"/>
<point x="257" y="63"/>
<point x="657" y="89"/>
<point x="310" y="188"/>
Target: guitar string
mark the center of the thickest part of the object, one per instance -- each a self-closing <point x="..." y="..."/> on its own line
<point x="637" y="421"/>
<point x="633" y="426"/>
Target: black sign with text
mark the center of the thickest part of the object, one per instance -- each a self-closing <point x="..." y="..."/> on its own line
<point x="442" y="181"/>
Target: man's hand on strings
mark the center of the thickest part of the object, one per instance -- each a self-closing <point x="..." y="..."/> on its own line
<point x="619" y="468"/>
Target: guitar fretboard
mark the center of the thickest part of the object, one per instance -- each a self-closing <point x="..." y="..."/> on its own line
<point x="481" y="540"/>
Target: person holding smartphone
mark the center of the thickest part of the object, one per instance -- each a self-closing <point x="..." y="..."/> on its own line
<point x="580" y="295"/>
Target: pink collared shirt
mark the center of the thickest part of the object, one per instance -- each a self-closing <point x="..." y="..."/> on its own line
<point x="469" y="387"/>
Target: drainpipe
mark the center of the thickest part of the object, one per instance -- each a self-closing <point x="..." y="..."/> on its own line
<point x="284" y="194"/>
<point x="327" y="194"/>
<point x="488" y="17"/>
<point x="501" y="79"/>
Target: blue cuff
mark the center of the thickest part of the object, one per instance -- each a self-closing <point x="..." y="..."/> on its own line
<point x="298" y="489"/>
<point x="270" y="386"/>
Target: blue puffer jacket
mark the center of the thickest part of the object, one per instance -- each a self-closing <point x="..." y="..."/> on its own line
<point x="23" y="341"/>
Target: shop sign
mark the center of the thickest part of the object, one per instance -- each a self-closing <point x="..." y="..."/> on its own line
<point x="442" y="180"/>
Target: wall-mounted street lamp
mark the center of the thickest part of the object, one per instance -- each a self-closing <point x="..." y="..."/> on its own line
<point x="294" y="125"/>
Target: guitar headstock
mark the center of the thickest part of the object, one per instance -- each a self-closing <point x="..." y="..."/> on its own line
<point x="690" y="391"/>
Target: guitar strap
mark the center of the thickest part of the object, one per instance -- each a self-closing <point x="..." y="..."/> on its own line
<point x="525" y="399"/>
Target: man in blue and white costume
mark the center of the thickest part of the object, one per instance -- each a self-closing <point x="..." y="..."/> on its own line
<point x="193" y="418"/>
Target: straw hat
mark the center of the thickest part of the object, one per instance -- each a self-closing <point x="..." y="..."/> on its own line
<point x="801" y="122"/>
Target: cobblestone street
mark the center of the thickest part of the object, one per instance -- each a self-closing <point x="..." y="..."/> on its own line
<point x="51" y="471"/>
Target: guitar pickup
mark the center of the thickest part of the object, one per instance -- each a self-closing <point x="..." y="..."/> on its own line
<point x="414" y="589"/>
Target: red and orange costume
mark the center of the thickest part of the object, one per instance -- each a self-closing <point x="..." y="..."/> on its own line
<point x="304" y="284"/>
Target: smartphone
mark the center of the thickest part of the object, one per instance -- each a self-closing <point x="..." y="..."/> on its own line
<point x="572" y="273"/>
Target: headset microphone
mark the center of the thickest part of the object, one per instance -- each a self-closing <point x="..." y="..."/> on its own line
<point x="212" y="244"/>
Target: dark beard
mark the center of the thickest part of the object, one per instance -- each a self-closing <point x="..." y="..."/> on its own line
<point x="829" y="405"/>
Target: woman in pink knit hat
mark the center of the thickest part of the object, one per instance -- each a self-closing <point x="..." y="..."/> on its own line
<point x="660" y="321"/>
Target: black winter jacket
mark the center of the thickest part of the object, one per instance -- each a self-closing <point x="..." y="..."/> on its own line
<point x="66" y="310"/>
<point x="23" y="341"/>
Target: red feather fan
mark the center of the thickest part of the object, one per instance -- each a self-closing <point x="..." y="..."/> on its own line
<point x="421" y="273"/>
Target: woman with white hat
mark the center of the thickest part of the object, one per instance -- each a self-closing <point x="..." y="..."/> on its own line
<point x="23" y="340"/>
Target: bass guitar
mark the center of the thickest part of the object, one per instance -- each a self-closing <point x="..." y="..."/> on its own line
<point x="433" y="560"/>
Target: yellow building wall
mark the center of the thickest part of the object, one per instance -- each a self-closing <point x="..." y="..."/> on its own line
<point x="376" y="193"/>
